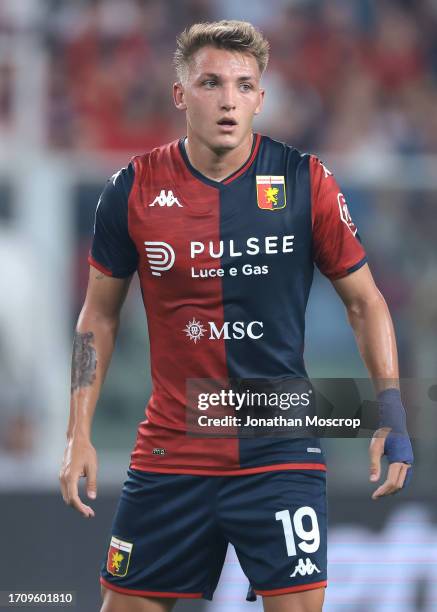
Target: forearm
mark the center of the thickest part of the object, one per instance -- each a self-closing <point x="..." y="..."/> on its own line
<point x="371" y="322"/>
<point x="373" y="328"/>
<point x="93" y="345"/>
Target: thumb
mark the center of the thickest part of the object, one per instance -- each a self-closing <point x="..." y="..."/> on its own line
<point x="91" y="488"/>
<point x="375" y="453"/>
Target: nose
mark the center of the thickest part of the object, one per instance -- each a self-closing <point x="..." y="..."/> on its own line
<point x="227" y="101"/>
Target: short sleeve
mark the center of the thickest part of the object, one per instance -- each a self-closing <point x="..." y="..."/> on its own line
<point x="337" y="248"/>
<point x="113" y="251"/>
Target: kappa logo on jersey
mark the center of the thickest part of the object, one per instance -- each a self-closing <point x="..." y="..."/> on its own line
<point x="166" y="198"/>
<point x="270" y="192"/>
<point x="305" y="568"/>
<point x="326" y="172"/>
<point x="118" y="557"/>
<point x="228" y="331"/>
<point x="345" y="214"/>
<point x="161" y="257"/>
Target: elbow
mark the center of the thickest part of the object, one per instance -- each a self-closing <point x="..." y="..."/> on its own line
<point x="361" y="306"/>
<point x="90" y="319"/>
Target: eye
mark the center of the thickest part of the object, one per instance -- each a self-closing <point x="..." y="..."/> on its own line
<point x="210" y="83"/>
<point x="246" y="87"/>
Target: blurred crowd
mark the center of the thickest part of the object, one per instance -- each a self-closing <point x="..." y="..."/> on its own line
<point x="344" y="75"/>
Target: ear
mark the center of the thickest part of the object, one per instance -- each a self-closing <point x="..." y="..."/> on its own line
<point x="179" y="96"/>
<point x="261" y="101"/>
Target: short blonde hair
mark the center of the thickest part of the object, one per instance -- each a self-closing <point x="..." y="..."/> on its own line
<point x="233" y="35"/>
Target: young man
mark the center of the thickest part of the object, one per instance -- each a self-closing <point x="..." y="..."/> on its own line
<point x="223" y="227"/>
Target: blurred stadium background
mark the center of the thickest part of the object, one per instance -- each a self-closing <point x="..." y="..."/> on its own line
<point x="85" y="85"/>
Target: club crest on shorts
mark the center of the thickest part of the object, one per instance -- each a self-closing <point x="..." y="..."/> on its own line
<point x="270" y="192"/>
<point x="118" y="557"/>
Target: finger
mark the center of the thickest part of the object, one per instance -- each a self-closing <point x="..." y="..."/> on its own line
<point x="78" y="505"/>
<point x="408" y="476"/>
<point x="405" y="476"/>
<point x="402" y="475"/>
<point x="92" y="481"/>
<point x="71" y="486"/>
<point x="376" y="450"/>
<point x="390" y="484"/>
<point x="387" y="488"/>
<point x="74" y="499"/>
<point x="63" y="487"/>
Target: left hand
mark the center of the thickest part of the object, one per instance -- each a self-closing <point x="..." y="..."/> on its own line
<point x="399" y="473"/>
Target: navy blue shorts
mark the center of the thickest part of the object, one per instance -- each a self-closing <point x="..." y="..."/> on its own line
<point x="171" y="531"/>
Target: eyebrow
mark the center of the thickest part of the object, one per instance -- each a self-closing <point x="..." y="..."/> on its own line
<point x="217" y="76"/>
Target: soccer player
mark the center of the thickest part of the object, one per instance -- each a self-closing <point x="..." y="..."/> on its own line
<point x="223" y="227"/>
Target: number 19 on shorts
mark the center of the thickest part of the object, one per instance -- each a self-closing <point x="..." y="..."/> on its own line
<point x="310" y="538"/>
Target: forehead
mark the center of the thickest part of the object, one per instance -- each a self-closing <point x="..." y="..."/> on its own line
<point x="223" y="62"/>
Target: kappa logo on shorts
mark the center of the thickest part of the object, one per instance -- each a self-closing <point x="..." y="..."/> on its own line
<point x="118" y="557"/>
<point x="305" y="568"/>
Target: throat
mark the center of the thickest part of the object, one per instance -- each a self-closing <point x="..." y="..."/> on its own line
<point x="217" y="165"/>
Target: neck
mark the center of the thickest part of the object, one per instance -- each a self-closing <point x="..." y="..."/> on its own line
<point x="217" y="164"/>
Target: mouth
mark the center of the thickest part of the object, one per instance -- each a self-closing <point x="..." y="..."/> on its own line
<point x="227" y="124"/>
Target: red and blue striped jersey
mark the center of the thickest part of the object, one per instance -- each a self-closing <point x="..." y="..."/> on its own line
<point x="225" y="270"/>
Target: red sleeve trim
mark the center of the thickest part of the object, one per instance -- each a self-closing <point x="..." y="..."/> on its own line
<point x="293" y="589"/>
<point x="277" y="467"/>
<point x="353" y="268"/>
<point x="125" y="591"/>
<point x="98" y="265"/>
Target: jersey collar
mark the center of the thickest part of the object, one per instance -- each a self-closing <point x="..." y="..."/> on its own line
<point x="232" y="177"/>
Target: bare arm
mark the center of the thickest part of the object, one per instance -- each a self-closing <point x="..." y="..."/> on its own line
<point x="371" y="322"/>
<point x="373" y="328"/>
<point x="92" y="350"/>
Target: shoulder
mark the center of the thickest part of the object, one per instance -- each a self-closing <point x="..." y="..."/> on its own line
<point x="279" y="150"/>
<point x="164" y="154"/>
<point x="116" y="192"/>
<point x="317" y="170"/>
<point x="121" y="181"/>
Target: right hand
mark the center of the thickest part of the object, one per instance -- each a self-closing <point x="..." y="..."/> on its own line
<point x="80" y="460"/>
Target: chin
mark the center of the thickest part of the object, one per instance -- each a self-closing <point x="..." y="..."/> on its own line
<point x="226" y="142"/>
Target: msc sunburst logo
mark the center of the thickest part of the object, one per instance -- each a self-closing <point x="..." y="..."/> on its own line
<point x="194" y="330"/>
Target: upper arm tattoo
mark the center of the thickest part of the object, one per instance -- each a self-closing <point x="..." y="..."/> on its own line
<point x="84" y="361"/>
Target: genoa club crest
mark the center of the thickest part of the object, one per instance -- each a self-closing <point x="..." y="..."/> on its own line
<point x="118" y="557"/>
<point x="270" y="192"/>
